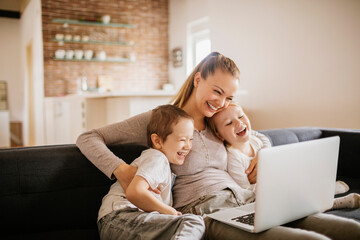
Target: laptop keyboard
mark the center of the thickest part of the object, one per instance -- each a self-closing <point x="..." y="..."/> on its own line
<point x="246" y="219"/>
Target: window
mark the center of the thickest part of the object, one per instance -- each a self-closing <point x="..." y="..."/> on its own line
<point x="198" y="42"/>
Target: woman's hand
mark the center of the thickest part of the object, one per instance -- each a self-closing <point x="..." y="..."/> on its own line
<point x="125" y="173"/>
<point x="252" y="171"/>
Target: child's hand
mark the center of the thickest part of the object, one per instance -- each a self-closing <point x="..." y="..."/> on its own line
<point x="252" y="171"/>
<point x="156" y="190"/>
<point x="172" y="211"/>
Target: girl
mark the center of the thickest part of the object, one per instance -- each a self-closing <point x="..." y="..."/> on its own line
<point x="233" y="127"/>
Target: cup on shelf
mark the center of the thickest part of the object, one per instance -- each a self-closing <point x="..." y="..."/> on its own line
<point x="85" y="38"/>
<point x="101" y="55"/>
<point x="68" y="37"/>
<point x="59" y="36"/>
<point x="88" y="54"/>
<point x="79" y="54"/>
<point x="60" y="53"/>
<point x="77" y="38"/>
<point x="69" y="54"/>
<point x="132" y="56"/>
<point x="106" y="18"/>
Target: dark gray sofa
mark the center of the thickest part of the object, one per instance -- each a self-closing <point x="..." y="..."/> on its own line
<point x="54" y="192"/>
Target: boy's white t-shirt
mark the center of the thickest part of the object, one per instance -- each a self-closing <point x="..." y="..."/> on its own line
<point x="239" y="162"/>
<point x="154" y="167"/>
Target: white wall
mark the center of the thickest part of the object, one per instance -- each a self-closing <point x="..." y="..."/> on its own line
<point x="9" y="64"/>
<point x="299" y="60"/>
<point x="31" y="33"/>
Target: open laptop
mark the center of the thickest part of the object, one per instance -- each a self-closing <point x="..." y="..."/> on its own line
<point x="293" y="181"/>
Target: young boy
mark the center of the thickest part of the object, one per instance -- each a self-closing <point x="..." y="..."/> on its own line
<point x="232" y="126"/>
<point x="139" y="213"/>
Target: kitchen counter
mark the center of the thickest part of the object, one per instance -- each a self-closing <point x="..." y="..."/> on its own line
<point x="89" y="94"/>
<point x="77" y="113"/>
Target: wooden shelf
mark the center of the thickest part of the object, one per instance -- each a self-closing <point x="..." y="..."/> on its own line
<point x="110" y="60"/>
<point x="98" y="24"/>
<point x="123" y="43"/>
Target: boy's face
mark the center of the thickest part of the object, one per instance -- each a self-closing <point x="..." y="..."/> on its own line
<point x="179" y="142"/>
<point x="233" y="125"/>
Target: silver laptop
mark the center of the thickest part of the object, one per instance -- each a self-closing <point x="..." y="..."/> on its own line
<point x="293" y="181"/>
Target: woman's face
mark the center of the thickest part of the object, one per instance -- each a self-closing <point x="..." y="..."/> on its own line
<point x="215" y="92"/>
<point x="233" y="125"/>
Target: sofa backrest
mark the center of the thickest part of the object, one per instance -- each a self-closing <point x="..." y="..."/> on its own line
<point x="51" y="188"/>
<point x="291" y="135"/>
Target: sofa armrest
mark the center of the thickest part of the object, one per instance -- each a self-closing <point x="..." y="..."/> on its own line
<point x="349" y="154"/>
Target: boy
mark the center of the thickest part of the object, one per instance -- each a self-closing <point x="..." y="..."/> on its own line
<point x="122" y="216"/>
<point x="232" y="126"/>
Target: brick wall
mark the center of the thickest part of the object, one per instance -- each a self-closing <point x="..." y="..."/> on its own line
<point x="149" y="71"/>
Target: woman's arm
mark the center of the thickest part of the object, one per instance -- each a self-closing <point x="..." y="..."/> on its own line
<point x="139" y="195"/>
<point x="93" y="144"/>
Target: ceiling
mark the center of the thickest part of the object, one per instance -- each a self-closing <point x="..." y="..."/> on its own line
<point x="12" y="8"/>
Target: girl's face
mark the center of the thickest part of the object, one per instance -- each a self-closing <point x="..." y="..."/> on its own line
<point x="215" y="92"/>
<point x="233" y="125"/>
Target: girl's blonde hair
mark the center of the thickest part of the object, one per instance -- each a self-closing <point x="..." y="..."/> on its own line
<point x="211" y="123"/>
<point x="206" y="67"/>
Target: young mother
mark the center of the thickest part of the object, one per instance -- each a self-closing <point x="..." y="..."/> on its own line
<point x="202" y="184"/>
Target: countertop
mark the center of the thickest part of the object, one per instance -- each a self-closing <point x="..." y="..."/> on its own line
<point x="152" y="93"/>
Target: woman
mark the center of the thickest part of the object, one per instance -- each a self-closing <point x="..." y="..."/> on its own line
<point x="202" y="184"/>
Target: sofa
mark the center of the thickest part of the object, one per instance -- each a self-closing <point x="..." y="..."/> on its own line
<point x="54" y="192"/>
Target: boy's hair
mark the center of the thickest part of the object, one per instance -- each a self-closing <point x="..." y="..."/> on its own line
<point x="162" y="120"/>
<point x="211" y="123"/>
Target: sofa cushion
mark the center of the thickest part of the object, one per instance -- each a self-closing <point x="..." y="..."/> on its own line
<point x="291" y="135"/>
<point x="52" y="188"/>
<point x="88" y="234"/>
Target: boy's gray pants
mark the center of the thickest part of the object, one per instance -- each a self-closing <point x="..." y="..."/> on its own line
<point x="131" y="223"/>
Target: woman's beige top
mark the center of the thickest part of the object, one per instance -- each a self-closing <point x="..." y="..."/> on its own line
<point x="203" y="172"/>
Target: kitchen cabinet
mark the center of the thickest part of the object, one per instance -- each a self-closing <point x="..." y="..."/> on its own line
<point x="64" y="119"/>
<point x="67" y="117"/>
<point x="106" y="110"/>
<point x="5" y="129"/>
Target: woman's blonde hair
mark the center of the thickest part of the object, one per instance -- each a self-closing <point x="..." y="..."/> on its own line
<point x="206" y="67"/>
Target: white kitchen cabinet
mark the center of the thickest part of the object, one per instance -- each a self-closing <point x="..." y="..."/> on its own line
<point x="67" y="117"/>
<point x="103" y="111"/>
<point x="64" y="119"/>
<point x="5" y="129"/>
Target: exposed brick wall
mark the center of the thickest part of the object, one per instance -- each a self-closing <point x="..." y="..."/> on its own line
<point x="150" y="71"/>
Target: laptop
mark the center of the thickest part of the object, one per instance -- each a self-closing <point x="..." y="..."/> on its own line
<point x="293" y="181"/>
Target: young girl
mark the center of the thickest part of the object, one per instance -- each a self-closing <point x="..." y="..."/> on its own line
<point x="233" y="127"/>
